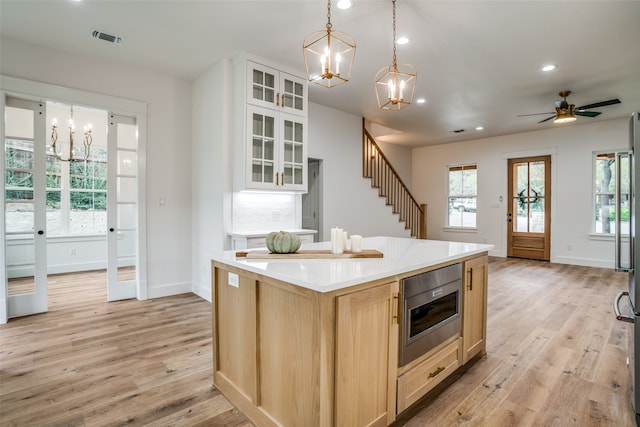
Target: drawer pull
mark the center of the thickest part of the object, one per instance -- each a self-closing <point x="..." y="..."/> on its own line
<point x="436" y="372"/>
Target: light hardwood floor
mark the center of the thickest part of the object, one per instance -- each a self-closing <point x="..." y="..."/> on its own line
<point x="555" y="357"/>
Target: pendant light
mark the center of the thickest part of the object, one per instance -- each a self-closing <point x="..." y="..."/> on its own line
<point x="395" y="84"/>
<point x="328" y="55"/>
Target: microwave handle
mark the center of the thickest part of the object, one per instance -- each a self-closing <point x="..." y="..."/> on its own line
<point x="618" y="206"/>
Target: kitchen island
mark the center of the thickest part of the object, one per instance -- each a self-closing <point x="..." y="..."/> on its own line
<point x="315" y="342"/>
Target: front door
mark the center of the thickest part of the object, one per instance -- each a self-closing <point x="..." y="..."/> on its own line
<point x="529" y="211"/>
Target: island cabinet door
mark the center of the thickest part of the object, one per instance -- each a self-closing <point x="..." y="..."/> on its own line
<point x="474" y="319"/>
<point x="366" y="356"/>
<point x="234" y="327"/>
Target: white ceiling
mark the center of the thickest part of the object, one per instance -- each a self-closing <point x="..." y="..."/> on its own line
<point x="478" y="61"/>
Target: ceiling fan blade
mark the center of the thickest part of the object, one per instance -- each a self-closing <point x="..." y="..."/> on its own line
<point x="599" y="104"/>
<point x="588" y="113"/>
<point x="548" y="118"/>
<point x="534" y="114"/>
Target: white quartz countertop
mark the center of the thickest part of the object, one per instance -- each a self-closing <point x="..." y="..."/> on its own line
<point x="401" y="255"/>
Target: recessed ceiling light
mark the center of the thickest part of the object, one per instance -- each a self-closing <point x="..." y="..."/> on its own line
<point x="479" y="127"/>
<point x="549" y="67"/>
<point x="344" y="4"/>
<point x="403" y="40"/>
<point x="421" y="100"/>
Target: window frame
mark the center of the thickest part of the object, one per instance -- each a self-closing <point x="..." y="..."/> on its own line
<point x="595" y="192"/>
<point x="449" y="197"/>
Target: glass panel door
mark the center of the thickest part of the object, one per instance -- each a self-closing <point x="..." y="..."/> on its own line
<point x="263" y="89"/>
<point x="262" y="155"/>
<point x="294" y="93"/>
<point x="122" y="208"/>
<point x="25" y="214"/>
<point x="294" y="151"/>
<point x="528" y="215"/>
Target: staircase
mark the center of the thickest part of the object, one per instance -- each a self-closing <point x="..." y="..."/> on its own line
<point x="383" y="177"/>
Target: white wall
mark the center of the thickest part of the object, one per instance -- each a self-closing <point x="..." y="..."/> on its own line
<point x="400" y="158"/>
<point x="168" y="145"/>
<point x="571" y="148"/>
<point x="349" y="201"/>
<point x="212" y="174"/>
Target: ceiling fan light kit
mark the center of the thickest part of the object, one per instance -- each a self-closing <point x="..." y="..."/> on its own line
<point x="328" y="55"/>
<point x="566" y="113"/>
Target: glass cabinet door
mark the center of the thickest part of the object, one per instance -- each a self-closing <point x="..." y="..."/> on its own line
<point x="293" y="92"/>
<point x="263" y="82"/>
<point x="262" y="152"/>
<point x="294" y="147"/>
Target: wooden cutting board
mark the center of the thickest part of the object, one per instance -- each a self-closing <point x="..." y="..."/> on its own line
<point x="309" y="254"/>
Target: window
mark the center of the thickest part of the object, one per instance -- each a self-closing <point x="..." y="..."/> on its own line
<point x="604" y="211"/>
<point x="462" y="196"/>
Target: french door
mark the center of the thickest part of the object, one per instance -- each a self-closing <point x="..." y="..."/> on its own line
<point x="25" y="225"/>
<point x="529" y="211"/>
<point x="36" y="202"/>
<point x="122" y="203"/>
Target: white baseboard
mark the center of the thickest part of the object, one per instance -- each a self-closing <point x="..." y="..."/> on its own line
<point x="585" y="262"/>
<point x="202" y="291"/>
<point x="3" y="311"/>
<point x="169" y="290"/>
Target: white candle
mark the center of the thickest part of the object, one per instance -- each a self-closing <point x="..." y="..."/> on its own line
<point x="337" y="246"/>
<point x="344" y="240"/>
<point x="338" y="57"/>
<point x="401" y="87"/>
<point x="356" y="243"/>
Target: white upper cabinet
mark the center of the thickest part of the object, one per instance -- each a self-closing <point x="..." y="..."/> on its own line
<point x="277" y="155"/>
<point x="271" y="129"/>
<point x="270" y="88"/>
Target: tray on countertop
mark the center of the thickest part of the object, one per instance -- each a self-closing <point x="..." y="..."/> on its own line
<point x="309" y="254"/>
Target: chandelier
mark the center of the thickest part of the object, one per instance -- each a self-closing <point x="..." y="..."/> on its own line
<point x="328" y="55"/>
<point x="88" y="139"/>
<point x="395" y="84"/>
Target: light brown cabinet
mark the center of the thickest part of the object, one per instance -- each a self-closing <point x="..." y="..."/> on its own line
<point x="367" y="356"/>
<point x="421" y="379"/>
<point x="474" y="315"/>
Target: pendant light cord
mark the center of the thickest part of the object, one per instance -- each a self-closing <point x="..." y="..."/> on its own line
<point x="395" y="66"/>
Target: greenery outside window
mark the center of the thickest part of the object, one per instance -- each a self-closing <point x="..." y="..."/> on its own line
<point x="604" y="211"/>
<point x="76" y="197"/>
<point x="462" y="196"/>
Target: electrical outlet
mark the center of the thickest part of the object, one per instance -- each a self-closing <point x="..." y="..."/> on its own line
<point x="234" y="280"/>
<point x="72" y="252"/>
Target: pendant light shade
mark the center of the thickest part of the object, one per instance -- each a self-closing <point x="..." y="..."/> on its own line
<point x="395" y="85"/>
<point x="328" y="55"/>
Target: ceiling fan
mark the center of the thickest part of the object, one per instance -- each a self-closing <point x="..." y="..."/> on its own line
<point x="566" y="112"/>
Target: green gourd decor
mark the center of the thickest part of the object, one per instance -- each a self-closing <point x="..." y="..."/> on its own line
<point x="283" y="242"/>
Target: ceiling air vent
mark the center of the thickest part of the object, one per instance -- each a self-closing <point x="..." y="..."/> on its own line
<point x="106" y="37"/>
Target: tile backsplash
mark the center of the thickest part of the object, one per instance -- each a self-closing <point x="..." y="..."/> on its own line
<point x="256" y="211"/>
